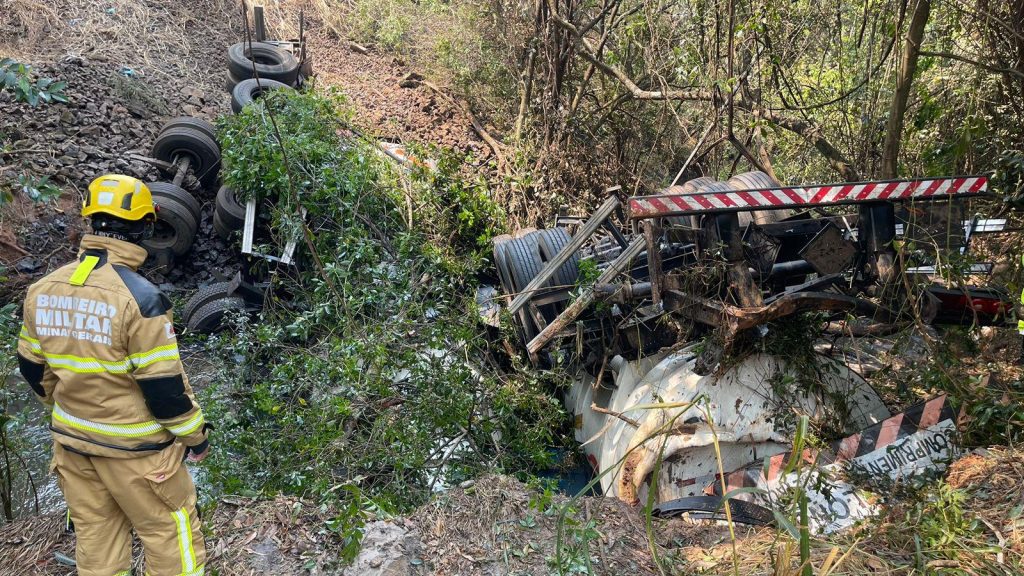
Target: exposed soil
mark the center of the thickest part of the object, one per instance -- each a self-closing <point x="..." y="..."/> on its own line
<point x="128" y="67"/>
<point x="390" y="101"/>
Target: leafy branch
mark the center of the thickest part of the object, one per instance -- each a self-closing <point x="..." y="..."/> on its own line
<point x="17" y="77"/>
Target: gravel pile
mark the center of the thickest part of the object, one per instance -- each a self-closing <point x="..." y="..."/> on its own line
<point x="112" y="113"/>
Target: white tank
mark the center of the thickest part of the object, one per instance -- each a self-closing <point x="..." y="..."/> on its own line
<point x="660" y="412"/>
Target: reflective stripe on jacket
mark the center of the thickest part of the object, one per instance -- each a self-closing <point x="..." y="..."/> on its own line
<point x="98" y="346"/>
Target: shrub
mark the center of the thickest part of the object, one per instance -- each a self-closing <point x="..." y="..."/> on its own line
<point x="372" y="381"/>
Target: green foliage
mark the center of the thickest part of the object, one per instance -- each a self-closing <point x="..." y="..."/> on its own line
<point x="16" y="488"/>
<point x="38" y="188"/>
<point x="371" y="384"/>
<point x="573" y="554"/>
<point x="938" y="522"/>
<point x="386" y="23"/>
<point x="1008" y="179"/>
<point x="464" y="218"/>
<point x="17" y="77"/>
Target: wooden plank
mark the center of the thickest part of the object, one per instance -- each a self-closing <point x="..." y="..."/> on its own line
<point x="570" y="314"/>
<point x="563" y="256"/>
<point x="652" y="234"/>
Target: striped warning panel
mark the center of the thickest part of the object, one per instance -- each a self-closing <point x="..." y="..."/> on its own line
<point x="807" y="196"/>
<point x="769" y="472"/>
<point x="881" y="449"/>
<point x="918" y="417"/>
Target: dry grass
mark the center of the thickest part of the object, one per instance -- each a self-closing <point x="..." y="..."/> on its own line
<point x="245" y="537"/>
<point x="767" y="552"/>
<point x="994" y="484"/>
<point x="158" y="37"/>
<point x="491" y="528"/>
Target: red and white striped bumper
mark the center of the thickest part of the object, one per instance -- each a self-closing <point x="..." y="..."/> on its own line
<point x="805" y="197"/>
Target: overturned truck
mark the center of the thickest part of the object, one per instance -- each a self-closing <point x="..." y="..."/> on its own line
<point x="661" y="315"/>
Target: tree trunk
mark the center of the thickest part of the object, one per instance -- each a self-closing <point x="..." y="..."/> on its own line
<point x="904" y="80"/>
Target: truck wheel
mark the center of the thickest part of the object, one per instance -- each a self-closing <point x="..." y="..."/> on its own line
<point x="202" y="297"/>
<point x="208" y="318"/>
<point x="248" y="91"/>
<point x="688" y="187"/>
<point x="501" y="265"/>
<point x="164" y="190"/>
<point x="758" y="179"/>
<point x="525" y="326"/>
<point x="222" y="229"/>
<point x="173" y="143"/>
<point x="523" y="258"/>
<point x="175" y="228"/>
<point x="551" y="242"/>
<point x="230" y="210"/>
<point x="192" y="122"/>
<point x="233" y="81"/>
<point x="269" y="62"/>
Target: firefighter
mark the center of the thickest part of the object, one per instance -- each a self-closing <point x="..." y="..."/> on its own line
<point x="98" y="348"/>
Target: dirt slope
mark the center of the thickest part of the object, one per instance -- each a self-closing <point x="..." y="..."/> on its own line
<point x="130" y="66"/>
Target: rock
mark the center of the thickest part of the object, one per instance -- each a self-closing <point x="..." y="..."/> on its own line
<point x="388" y="549"/>
<point x="410" y="80"/>
<point x="28" y="265"/>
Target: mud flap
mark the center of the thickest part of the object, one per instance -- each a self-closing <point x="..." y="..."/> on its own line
<point x="712" y="508"/>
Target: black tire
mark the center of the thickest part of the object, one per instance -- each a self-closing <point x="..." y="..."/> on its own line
<point x="752" y="179"/>
<point x="173" y="143"/>
<point x="758" y="179"/>
<point x="524" y="262"/>
<point x="207" y="318"/>
<point x="175" y="228"/>
<point x="233" y="81"/>
<point x="501" y="264"/>
<point x="688" y="187"/>
<point x="271" y="62"/>
<point x="522" y="256"/>
<point x="202" y="297"/>
<point x="229" y="209"/>
<point x="192" y="122"/>
<point x="525" y="326"/>
<point x="248" y="91"/>
<point x="222" y="229"/>
<point x="163" y="190"/>
<point x="551" y="242"/>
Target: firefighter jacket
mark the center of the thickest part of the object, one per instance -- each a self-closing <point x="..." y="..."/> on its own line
<point x="98" y="346"/>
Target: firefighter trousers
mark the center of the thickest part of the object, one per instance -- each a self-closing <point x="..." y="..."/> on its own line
<point x="107" y="497"/>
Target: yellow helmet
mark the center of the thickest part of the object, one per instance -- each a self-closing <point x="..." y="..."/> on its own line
<point x="122" y="196"/>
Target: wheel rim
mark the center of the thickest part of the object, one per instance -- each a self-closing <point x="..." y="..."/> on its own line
<point x="163" y="235"/>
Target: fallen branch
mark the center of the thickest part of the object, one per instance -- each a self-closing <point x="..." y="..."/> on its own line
<point x="491" y="141"/>
<point x="811" y="132"/>
<point x="964" y="59"/>
<point x="14" y="247"/>
<point x="588" y="52"/>
<point x="618" y="415"/>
